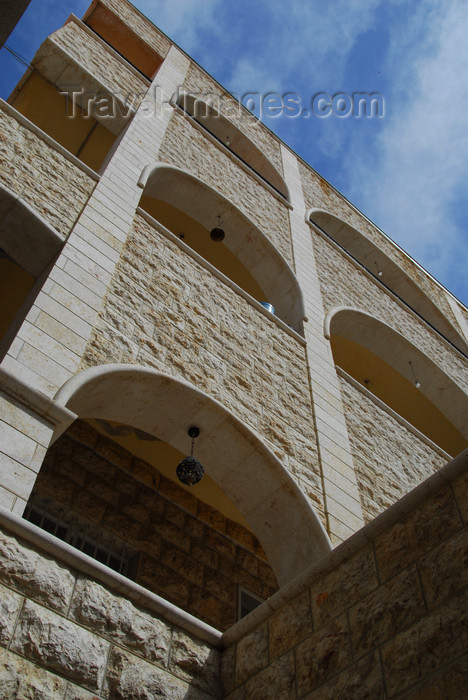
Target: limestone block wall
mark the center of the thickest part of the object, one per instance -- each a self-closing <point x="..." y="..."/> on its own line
<point x="64" y="635"/>
<point x="104" y="64"/>
<point x="165" y="310"/>
<point x="389" y="459"/>
<point x="140" y="25"/>
<point x="188" y="552"/>
<point x="187" y="147"/>
<point x="343" y="284"/>
<point x="197" y="82"/>
<point x="43" y="176"/>
<point x="320" y="194"/>
<point x="383" y="616"/>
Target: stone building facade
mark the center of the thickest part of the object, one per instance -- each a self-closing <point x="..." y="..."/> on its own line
<point x="332" y="429"/>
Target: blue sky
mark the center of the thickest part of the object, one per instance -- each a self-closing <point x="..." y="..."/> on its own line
<point x="407" y="171"/>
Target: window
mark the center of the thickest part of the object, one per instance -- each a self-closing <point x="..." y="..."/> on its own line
<point x="247" y="602"/>
<point x="64" y="524"/>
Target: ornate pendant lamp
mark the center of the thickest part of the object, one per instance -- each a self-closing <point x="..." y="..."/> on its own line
<point x="417" y="383"/>
<point x="217" y="234"/>
<point x="190" y="470"/>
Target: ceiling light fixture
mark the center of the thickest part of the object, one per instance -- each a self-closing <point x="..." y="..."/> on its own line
<point x="416" y="383"/>
<point x="217" y="234"/>
<point x="190" y="470"/>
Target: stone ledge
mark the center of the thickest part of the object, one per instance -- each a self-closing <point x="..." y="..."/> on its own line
<point x="41" y="404"/>
<point x="208" y="266"/>
<point x="344" y="551"/>
<point x="5" y="107"/>
<point x="81" y="562"/>
<point x="381" y="404"/>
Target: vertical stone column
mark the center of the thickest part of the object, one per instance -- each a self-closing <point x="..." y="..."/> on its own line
<point x="341" y="495"/>
<point x="52" y="339"/>
<point x="50" y="343"/>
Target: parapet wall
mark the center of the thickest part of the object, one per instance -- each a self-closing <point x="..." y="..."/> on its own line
<point x="384" y="615"/>
<point x="63" y="634"/>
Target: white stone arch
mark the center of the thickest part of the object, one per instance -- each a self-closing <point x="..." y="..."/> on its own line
<point x="260" y="257"/>
<point x="223" y="129"/>
<point x="248" y="472"/>
<point x="375" y="260"/>
<point x="30" y="242"/>
<point x="25" y="235"/>
<point x="396" y="350"/>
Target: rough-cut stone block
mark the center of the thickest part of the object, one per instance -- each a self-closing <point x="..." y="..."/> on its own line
<point x="60" y="645"/>
<point x="195" y="662"/>
<point x="289" y="625"/>
<point x="10" y="603"/>
<point x="444" y="571"/>
<point x="74" y="692"/>
<point x="275" y="681"/>
<point x="361" y="681"/>
<point x="130" y="677"/>
<point x="449" y="684"/>
<point x="109" y="614"/>
<point x="251" y="654"/>
<point x="238" y="694"/>
<point x="322" y="655"/>
<point x="345" y="585"/>
<point x="433" y="521"/>
<point x="21" y="679"/>
<point x="227" y="669"/>
<point x="460" y="488"/>
<point x="36" y="575"/>
<point x="427" y="645"/>
<point x="386" y="611"/>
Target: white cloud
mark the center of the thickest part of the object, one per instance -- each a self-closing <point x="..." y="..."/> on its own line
<point x="422" y="152"/>
<point x="182" y="20"/>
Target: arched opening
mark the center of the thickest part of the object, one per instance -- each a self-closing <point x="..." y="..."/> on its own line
<point x="28" y="246"/>
<point x="386" y="271"/>
<point x="190" y="209"/>
<point x="399" y="374"/>
<point x="245" y="525"/>
<point x="231" y="137"/>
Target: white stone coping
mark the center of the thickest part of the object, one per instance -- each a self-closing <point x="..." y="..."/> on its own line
<point x="381" y="404"/>
<point x="30" y="397"/>
<point x="81" y="562"/>
<point x="395" y="513"/>
<point x="109" y="48"/>
<point x="12" y="112"/>
<point x="402" y="304"/>
<point x="214" y="271"/>
<point x="232" y="155"/>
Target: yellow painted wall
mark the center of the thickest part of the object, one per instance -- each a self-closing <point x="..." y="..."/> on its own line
<point x="397" y="392"/>
<point x="198" y="238"/>
<point x="84" y="137"/>
<point x="165" y="459"/>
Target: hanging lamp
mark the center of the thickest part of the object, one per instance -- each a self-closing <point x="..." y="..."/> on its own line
<point x="190" y="471"/>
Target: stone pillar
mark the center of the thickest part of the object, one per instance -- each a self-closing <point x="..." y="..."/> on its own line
<point x="52" y="339"/>
<point x="50" y="343"/>
<point x="341" y="495"/>
<point x="28" y="421"/>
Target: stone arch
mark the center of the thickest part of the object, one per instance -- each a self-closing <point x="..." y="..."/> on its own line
<point x="223" y="129"/>
<point x="248" y="472"/>
<point x="375" y="260"/>
<point x="189" y="194"/>
<point x="393" y="348"/>
<point x="28" y="246"/>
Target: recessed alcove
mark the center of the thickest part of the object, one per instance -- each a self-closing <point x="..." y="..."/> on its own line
<point x="378" y="357"/>
<point x="190" y="209"/>
<point x="386" y="271"/>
